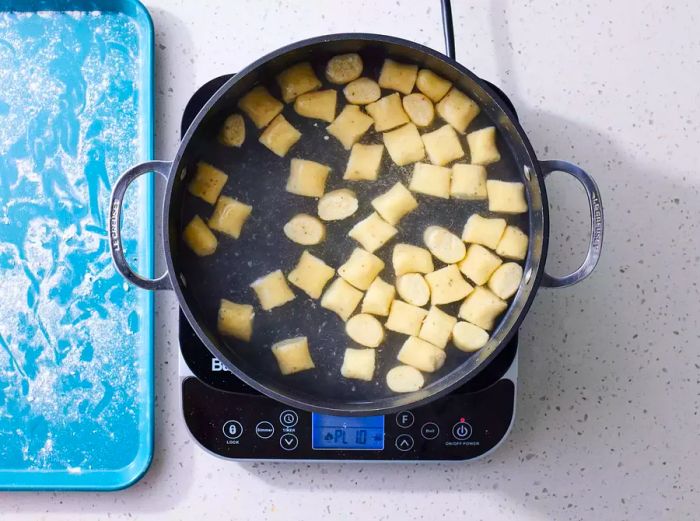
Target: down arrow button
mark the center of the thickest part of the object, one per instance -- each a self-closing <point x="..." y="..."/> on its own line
<point x="289" y="441"/>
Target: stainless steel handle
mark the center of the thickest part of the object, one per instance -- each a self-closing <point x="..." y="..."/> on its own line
<point x="596" y="210"/>
<point x="115" y="232"/>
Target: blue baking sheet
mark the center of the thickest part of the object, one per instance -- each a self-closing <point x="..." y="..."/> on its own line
<point x="76" y="341"/>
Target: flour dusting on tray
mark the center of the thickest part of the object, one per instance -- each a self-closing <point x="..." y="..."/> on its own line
<point x="71" y="347"/>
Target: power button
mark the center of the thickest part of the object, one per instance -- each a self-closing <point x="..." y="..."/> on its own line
<point x="461" y="430"/>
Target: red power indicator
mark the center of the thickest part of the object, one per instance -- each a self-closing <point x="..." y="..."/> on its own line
<point x="462" y="420"/>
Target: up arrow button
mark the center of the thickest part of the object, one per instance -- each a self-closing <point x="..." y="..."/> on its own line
<point x="404" y="442"/>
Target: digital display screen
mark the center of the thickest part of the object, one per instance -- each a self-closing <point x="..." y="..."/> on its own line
<point x="347" y="432"/>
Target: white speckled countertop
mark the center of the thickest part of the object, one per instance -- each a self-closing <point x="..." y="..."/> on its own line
<point x="607" y="419"/>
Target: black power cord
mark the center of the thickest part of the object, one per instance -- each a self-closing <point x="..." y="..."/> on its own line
<point x="448" y="29"/>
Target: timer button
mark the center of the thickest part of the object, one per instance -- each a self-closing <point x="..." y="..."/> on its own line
<point x="430" y="430"/>
<point x="405" y="419"/>
<point x="404" y="442"/>
<point x="461" y="430"/>
<point x="289" y="418"/>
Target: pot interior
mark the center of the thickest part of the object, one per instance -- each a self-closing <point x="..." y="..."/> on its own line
<point x="258" y="177"/>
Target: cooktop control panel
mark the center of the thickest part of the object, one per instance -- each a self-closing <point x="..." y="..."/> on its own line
<point x="245" y="426"/>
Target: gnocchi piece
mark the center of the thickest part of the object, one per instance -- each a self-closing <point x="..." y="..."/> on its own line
<point x="444" y="245"/>
<point x="337" y="205"/>
<point x="479" y="264"/>
<point x="207" y="183"/>
<point x="293" y="355"/>
<point x="398" y="76"/>
<point x="442" y="145"/>
<point x="365" y="330"/>
<point x="513" y="244"/>
<point x="419" y="108"/>
<point x="235" y="320"/>
<point x="358" y="364"/>
<point x="405" y="318"/>
<point x="505" y="197"/>
<point x="305" y="229"/>
<point x="344" y="68"/>
<point x="387" y="113"/>
<point x="404" y="145"/>
<point x="362" y="91"/>
<point x="482" y="146"/>
<point x="229" y="216"/>
<point x="378" y="298"/>
<point x="422" y="355"/>
<point x="431" y="180"/>
<point x="341" y="298"/>
<point x="279" y="136"/>
<point x="307" y="178"/>
<point x="437" y="327"/>
<point x="468" y="337"/>
<point x="413" y="288"/>
<point x="482" y="307"/>
<point x="232" y="133"/>
<point x="349" y="126"/>
<point x="447" y="285"/>
<point x="404" y="379"/>
<point x="505" y="281"/>
<point x="432" y="85"/>
<point x="394" y="204"/>
<point x="311" y="275"/>
<point x="260" y="106"/>
<point x="408" y="258"/>
<point x="457" y="109"/>
<point x="361" y="268"/>
<point x="482" y="230"/>
<point x="468" y="182"/>
<point x="317" y="105"/>
<point x="272" y="290"/>
<point x="296" y="80"/>
<point x="372" y="232"/>
<point x="364" y="162"/>
<point x="199" y="237"/>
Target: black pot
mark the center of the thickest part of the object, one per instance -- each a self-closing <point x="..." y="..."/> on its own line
<point x="198" y="294"/>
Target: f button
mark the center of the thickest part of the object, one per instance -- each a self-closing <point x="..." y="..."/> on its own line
<point x="405" y="419"/>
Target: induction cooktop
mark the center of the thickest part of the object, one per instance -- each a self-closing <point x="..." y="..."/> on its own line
<point x="232" y="420"/>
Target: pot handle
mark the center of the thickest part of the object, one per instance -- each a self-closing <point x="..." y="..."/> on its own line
<point x="115" y="232"/>
<point x="596" y="211"/>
